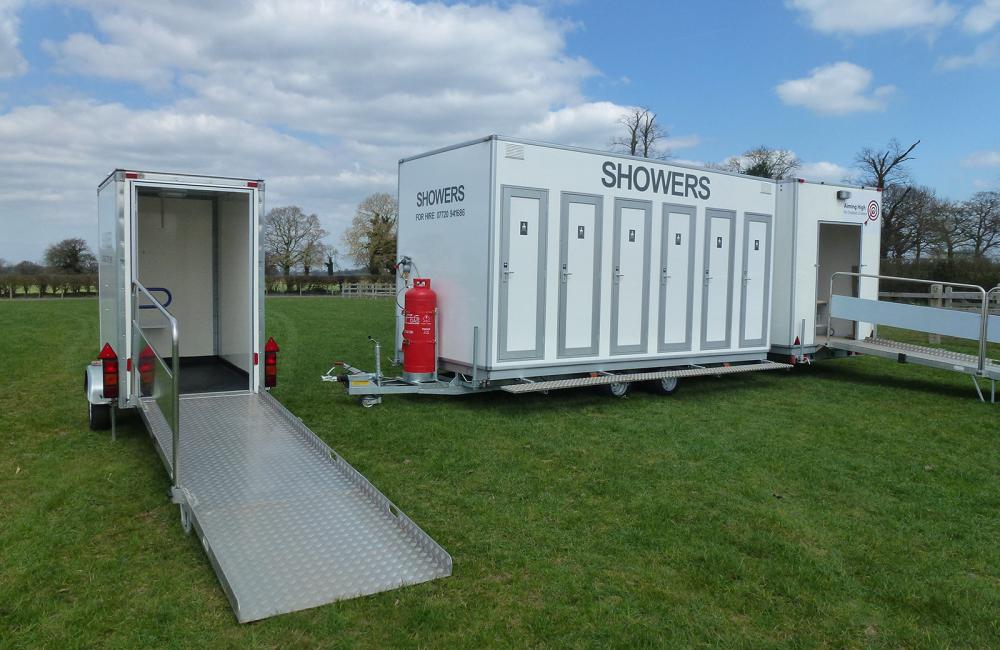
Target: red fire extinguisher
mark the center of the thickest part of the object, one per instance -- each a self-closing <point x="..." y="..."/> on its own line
<point x="419" y="354"/>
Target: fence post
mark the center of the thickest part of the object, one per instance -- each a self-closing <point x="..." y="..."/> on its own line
<point x="935" y="339"/>
<point x="947" y="297"/>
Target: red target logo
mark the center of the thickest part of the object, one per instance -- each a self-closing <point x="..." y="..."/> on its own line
<point x="873" y="210"/>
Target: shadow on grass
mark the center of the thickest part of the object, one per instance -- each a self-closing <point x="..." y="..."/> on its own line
<point x="842" y="370"/>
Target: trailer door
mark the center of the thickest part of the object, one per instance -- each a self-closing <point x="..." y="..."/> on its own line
<point x="579" y="275"/>
<point x="676" y="275"/>
<point x="756" y="280"/>
<point x="717" y="303"/>
<point x="522" y="273"/>
<point x="630" y="277"/>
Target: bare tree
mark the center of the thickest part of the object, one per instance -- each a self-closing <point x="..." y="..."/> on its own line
<point x="764" y="162"/>
<point x="949" y="226"/>
<point x="885" y="167"/>
<point x="642" y="135"/>
<point x="71" y="256"/>
<point x="920" y="211"/>
<point x="332" y="259"/>
<point x="896" y="239"/>
<point x="981" y="222"/>
<point x="371" y="239"/>
<point x="290" y="237"/>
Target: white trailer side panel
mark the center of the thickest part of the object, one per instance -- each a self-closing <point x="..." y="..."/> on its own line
<point x="824" y="234"/>
<point x="444" y="225"/>
<point x="650" y="248"/>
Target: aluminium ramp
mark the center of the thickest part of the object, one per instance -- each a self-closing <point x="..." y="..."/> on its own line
<point x="285" y="521"/>
<point x="917" y="354"/>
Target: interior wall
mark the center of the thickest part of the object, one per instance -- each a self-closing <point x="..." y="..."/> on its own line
<point x="839" y="250"/>
<point x="175" y="252"/>
<point x="234" y="280"/>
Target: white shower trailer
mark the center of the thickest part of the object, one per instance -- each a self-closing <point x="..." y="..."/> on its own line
<point x="550" y="260"/>
<point x="821" y="230"/>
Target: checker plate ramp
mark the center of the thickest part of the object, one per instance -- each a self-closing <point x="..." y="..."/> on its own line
<point x="576" y="382"/>
<point x="286" y="522"/>
<point x="917" y="354"/>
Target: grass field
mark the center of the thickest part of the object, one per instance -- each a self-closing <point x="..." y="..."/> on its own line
<point x="853" y="503"/>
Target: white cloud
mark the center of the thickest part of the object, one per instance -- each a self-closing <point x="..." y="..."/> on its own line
<point x="320" y="100"/>
<point x="11" y="61"/>
<point x="390" y="71"/>
<point x="835" y="89"/>
<point x="982" y="17"/>
<point x="983" y="159"/>
<point x="864" y="17"/>
<point x="827" y="172"/>
<point x="986" y="53"/>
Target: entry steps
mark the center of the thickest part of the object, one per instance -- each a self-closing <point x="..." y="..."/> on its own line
<point x="918" y="354"/>
<point x="680" y="373"/>
<point x="286" y="522"/>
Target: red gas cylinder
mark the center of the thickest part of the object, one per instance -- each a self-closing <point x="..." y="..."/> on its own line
<point x="419" y="305"/>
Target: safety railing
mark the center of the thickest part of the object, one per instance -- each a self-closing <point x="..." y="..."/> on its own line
<point x="155" y="377"/>
<point x="936" y="320"/>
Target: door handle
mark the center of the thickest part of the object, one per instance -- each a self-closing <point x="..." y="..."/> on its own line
<point x="565" y="273"/>
<point x="506" y="271"/>
<point x="618" y="274"/>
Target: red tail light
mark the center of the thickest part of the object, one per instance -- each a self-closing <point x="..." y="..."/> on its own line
<point x="109" y="367"/>
<point x="271" y="363"/>
<point x="147" y="371"/>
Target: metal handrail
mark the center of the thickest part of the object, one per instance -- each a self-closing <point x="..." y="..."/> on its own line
<point x="983" y="317"/>
<point x="175" y="422"/>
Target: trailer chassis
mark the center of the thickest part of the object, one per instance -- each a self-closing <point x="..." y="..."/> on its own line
<point x="369" y="387"/>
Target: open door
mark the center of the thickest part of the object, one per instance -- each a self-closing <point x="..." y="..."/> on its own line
<point x="194" y="252"/>
<point x="838" y="249"/>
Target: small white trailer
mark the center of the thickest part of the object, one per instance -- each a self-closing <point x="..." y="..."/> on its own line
<point x="821" y="230"/>
<point x="286" y="522"/>
<point x="557" y="267"/>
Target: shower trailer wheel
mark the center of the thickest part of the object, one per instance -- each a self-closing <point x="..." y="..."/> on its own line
<point x="618" y="389"/>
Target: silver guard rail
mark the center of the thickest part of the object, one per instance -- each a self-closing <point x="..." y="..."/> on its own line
<point x="173" y="372"/>
<point x="983" y="316"/>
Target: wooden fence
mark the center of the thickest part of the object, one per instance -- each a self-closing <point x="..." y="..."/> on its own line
<point x="365" y="289"/>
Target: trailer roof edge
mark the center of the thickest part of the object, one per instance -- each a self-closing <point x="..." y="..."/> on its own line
<point x="177" y="174"/>
<point x="466" y="143"/>
<point x="851" y="186"/>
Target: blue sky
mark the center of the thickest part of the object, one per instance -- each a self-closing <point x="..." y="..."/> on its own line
<point x="321" y="99"/>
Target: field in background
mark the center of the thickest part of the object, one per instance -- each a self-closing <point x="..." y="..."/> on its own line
<point x="852" y="503"/>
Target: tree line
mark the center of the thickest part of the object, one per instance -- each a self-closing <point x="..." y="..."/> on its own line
<point x="69" y="268"/>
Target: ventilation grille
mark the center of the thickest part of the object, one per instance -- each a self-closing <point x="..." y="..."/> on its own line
<point x="514" y="151"/>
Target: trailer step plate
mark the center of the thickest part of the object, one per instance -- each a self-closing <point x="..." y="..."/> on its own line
<point x="286" y="522"/>
<point x="576" y="382"/>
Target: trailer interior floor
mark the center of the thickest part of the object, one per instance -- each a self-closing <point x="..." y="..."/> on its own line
<point x="286" y="522"/>
<point x="211" y="375"/>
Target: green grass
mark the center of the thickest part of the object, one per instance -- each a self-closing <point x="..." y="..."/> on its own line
<point x="853" y="503"/>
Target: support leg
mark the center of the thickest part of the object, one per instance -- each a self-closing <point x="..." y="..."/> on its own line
<point x="114" y="423"/>
<point x="975" y="382"/>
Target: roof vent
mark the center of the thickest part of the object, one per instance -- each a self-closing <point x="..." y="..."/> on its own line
<point x="513" y="151"/>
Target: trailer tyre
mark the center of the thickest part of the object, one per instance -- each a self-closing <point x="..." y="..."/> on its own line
<point x="665" y="385"/>
<point x="99" y="416"/>
<point x="618" y="389"/>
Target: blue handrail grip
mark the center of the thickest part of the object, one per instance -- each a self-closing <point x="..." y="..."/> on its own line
<point x="170" y="297"/>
